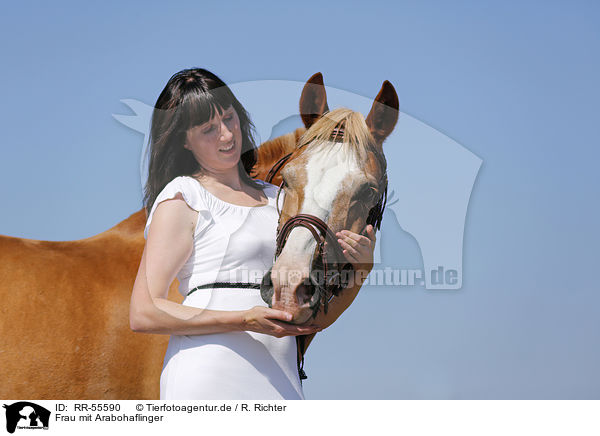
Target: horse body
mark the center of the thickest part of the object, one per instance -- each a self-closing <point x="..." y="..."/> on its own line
<point x="64" y="330"/>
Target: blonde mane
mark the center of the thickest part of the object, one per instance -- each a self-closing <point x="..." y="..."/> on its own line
<point x="356" y="135"/>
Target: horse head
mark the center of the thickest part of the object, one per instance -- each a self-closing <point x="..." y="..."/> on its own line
<point x="334" y="179"/>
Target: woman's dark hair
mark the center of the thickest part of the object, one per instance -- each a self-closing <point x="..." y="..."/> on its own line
<point x="191" y="97"/>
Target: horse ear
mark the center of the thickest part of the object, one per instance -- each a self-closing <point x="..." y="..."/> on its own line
<point x="384" y="113"/>
<point x="313" y="101"/>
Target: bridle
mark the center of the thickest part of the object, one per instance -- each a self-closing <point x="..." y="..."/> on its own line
<point x="333" y="280"/>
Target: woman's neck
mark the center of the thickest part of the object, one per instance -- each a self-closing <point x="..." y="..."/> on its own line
<point x="228" y="178"/>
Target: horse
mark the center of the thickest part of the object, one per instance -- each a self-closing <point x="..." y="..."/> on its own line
<point x="64" y="324"/>
<point x="336" y="178"/>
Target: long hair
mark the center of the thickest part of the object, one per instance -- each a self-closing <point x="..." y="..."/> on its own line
<point x="190" y="98"/>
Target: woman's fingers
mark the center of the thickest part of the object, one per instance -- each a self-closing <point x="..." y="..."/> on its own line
<point x="351" y="254"/>
<point x="276" y="323"/>
<point x="353" y="247"/>
<point x="371" y="233"/>
<point x="355" y="240"/>
<point x="278" y="314"/>
<point x="357" y="248"/>
<point x="294" y="330"/>
<point x="352" y="238"/>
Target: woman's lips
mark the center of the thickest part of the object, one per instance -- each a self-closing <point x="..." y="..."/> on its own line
<point x="228" y="149"/>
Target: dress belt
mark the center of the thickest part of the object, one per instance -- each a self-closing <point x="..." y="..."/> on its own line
<point x="226" y="285"/>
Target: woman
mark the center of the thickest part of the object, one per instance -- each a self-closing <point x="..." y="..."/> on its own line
<point x="209" y="222"/>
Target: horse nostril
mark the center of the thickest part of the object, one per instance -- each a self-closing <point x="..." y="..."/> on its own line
<point x="266" y="288"/>
<point x="304" y="293"/>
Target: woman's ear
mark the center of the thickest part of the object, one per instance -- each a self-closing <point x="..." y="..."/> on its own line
<point x="186" y="139"/>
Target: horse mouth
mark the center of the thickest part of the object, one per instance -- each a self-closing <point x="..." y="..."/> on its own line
<point x="304" y="304"/>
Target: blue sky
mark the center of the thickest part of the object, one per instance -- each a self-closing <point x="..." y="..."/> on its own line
<point x="516" y="83"/>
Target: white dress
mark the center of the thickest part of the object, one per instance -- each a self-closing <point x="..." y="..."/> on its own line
<point x="232" y="243"/>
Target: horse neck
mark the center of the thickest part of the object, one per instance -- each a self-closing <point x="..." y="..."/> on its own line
<point x="271" y="151"/>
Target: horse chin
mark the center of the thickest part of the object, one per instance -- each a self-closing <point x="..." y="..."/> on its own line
<point x="300" y="303"/>
<point x="300" y="315"/>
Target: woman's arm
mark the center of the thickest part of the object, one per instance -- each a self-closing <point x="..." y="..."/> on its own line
<point x="169" y="245"/>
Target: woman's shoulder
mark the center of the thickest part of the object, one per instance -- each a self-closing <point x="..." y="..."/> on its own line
<point x="180" y="181"/>
<point x="188" y="188"/>
<point x="185" y="187"/>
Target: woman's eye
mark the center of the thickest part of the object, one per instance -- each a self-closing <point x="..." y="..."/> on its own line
<point x="209" y="130"/>
<point x="229" y="118"/>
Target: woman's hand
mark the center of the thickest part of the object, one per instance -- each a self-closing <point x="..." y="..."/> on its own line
<point x="358" y="249"/>
<point x="274" y="322"/>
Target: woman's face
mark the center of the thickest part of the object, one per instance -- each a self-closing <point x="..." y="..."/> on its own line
<point x="217" y="144"/>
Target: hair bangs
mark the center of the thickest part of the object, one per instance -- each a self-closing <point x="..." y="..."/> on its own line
<point x="200" y="107"/>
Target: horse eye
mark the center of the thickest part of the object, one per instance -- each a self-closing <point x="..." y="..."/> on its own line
<point x="366" y="193"/>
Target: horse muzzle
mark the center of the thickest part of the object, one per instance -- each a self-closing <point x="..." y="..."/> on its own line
<point x="298" y="297"/>
<point x="304" y="296"/>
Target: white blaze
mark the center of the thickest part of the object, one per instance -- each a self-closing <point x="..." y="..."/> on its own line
<point x="325" y="171"/>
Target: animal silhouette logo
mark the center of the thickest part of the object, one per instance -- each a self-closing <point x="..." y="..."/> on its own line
<point x="431" y="178"/>
<point x="26" y="415"/>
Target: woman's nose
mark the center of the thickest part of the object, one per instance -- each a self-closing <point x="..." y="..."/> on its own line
<point x="226" y="133"/>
